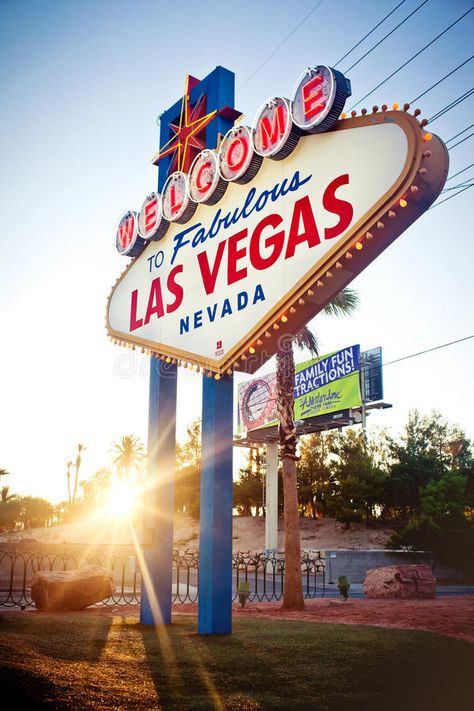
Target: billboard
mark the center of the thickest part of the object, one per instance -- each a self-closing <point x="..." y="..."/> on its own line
<point x="322" y="386"/>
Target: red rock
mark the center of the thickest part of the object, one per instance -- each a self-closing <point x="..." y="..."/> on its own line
<point x="400" y="581"/>
<point x="71" y="589"/>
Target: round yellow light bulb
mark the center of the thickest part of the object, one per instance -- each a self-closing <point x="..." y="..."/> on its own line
<point x="284" y="319"/>
<point x="403" y="203"/>
<point x="358" y="245"/>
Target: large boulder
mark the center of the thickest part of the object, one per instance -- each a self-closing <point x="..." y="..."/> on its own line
<point x="71" y="589"/>
<point x="402" y="581"/>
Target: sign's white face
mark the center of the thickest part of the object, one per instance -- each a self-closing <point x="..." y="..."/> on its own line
<point x="211" y="283"/>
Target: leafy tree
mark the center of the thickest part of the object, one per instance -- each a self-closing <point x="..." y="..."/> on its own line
<point x="248" y="489"/>
<point x="188" y="474"/>
<point x="357" y="482"/>
<point x="35" y="512"/>
<point x="4" y="495"/>
<point x="428" y="449"/>
<point x="10" y="513"/>
<point x="97" y="487"/>
<point x="129" y="455"/>
<point x="344" y="303"/>
<point x="444" y="524"/>
<point x="314" y="472"/>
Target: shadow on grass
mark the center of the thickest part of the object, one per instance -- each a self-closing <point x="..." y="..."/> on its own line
<point x="84" y="662"/>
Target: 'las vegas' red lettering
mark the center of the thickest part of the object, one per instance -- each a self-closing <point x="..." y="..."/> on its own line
<point x="134" y="321"/>
<point x="339" y="207"/>
<point x="234" y="254"/>
<point x="275" y="241"/>
<point x="208" y="273"/>
<point x="302" y="212"/>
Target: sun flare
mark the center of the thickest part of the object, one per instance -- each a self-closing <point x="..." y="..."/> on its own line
<point x="121" y="501"/>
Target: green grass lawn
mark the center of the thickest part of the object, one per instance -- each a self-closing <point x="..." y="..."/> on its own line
<point x="90" y="661"/>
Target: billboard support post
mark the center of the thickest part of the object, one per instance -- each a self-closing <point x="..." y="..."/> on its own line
<point x="215" y="542"/>
<point x="155" y="602"/>
<point x="271" y="499"/>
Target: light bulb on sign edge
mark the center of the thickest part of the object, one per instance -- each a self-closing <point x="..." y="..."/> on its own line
<point x="301" y="302"/>
<point x="402" y="202"/>
<point x="292" y="310"/>
<point x="284" y="318"/>
<point x="427" y="137"/>
<point x="348" y="255"/>
<point x="359" y="246"/>
<point x="395" y="106"/>
<point x="276" y="327"/>
<point x="252" y="350"/>
<point x="217" y="376"/>
<point x="319" y="283"/>
<point x="392" y="214"/>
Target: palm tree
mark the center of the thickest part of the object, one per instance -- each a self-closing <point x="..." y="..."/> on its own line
<point x="4" y="495"/>
<point x="80" y="448"/>
<point x="68" y="474"/>
<point x="4" y="472"/>
<point x="343" y="304"/>
<point x="128" y="454"/>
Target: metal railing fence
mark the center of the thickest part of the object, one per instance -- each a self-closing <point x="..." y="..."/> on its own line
<point x="264" y="573"/>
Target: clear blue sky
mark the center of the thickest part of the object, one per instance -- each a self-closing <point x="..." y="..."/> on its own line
<point x="81" y="86"/>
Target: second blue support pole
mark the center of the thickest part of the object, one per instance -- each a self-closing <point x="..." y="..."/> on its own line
<point x="215" y="545"/>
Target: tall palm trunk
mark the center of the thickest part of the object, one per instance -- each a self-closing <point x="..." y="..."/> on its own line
<point x="80" y="448"/>
<point x="293" y="587"/>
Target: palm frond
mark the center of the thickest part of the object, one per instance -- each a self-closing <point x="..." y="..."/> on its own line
<point x="307" y="339"/>
<point x="343" y="304"/>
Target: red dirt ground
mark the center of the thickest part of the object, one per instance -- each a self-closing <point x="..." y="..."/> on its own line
<point x="450" y="616"/>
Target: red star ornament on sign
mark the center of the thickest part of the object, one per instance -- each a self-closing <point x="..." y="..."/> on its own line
<point x="189" y="134"/>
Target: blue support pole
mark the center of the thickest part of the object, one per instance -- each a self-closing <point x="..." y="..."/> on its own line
<point x="156" y="590"/>
<point x="215" y="545"/>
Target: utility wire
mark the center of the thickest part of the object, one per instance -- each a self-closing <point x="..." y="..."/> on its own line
<point x="437" y="83"/>
<point x="451" y="105"/>
<point x="428" y="350"/>
<point x="369" y="33"/>
<point x="387" y="35"/>
<point x="417" y="54"/>
<point x="459" y="134"/>
<point x="460" y="171"/>
<point x="437" y="204"/>
<point x="464" y="184"/>
<point x="260" y="66"/>
<point x="461" y="141"/>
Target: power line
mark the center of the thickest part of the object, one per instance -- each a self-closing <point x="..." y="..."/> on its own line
<point x="461" y="141"/>
<point x="260" y="66"/>
<point x="451" y="105"/>
<point x="417" y="54"/>
<point x="437" y="83"/>
<point x="369" y="33"/>
<point x="460" y="171"/>
<point x="387" y="35"/>
<point x="459" y="134"/>
<point x="437" y="204"/>
<point x="459" y="185"/>
<point x="428" y="350"/>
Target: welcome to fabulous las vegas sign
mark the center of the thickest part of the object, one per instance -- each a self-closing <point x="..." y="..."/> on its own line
<point x="263" y="232"/>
